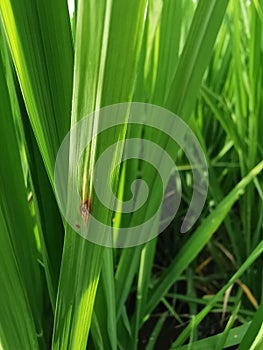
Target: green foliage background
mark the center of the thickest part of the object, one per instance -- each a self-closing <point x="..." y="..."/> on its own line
<point x="202" y="61"/>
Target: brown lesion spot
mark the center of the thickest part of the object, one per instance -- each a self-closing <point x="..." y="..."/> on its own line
<point x="85" y="210"/>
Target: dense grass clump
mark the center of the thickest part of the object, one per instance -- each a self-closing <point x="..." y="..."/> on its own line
<point x="200" y="60"/>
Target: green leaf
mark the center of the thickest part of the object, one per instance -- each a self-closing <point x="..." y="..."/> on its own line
<point x="106" y="55"/>
<point x="198" y="240"/>
<point x="41" y="45"/>
<point x="209" y="343"/>
<point x="21" y="291"/>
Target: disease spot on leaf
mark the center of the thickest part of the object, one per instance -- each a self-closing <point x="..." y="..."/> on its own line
<point x="85" y="210"/>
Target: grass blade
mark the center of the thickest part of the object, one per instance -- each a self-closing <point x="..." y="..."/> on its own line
<point x="198" y="240"/>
